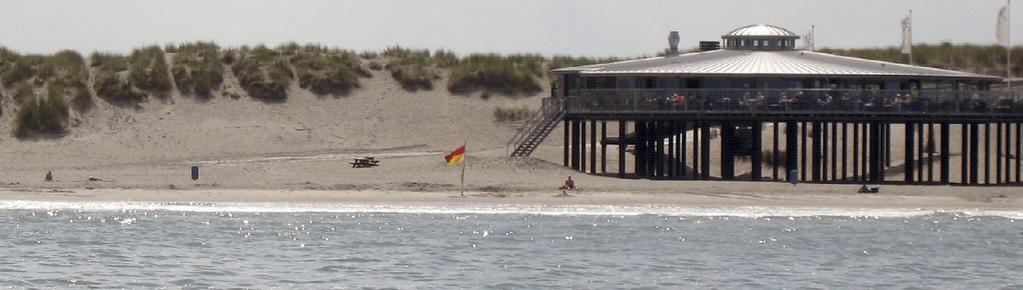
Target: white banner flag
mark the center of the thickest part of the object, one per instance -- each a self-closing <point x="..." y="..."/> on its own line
<point x="1003" y="25"/>
<point x="907" y="35"/>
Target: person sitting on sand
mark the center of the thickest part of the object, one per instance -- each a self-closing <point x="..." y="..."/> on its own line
<point x="569" y="184"/>
<point x="49" y="176"/>
<point x="863" y="189"/>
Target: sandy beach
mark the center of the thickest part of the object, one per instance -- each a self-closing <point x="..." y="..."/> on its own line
<point x="299" y="151"/>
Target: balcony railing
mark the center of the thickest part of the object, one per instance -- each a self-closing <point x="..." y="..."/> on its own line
<point x="803" y="100"/>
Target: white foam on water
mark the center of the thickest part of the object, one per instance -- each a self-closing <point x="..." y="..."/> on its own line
<point x="475" y="208"/>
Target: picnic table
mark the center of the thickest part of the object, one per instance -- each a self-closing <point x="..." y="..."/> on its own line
<point x="365" y="162"/>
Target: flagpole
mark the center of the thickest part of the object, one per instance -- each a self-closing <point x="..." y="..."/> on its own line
<point x="463" y="170"/>
<point x="910" y="36"/>
<point x="813" y="38"/>
<point x="1008" y="46"/>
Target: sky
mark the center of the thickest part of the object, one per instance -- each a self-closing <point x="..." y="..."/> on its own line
<point x="563" y="27"/>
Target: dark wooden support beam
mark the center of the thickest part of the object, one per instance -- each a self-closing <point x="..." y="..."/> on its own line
<point x="834" y="151"/>
<point x="876" y="153"/>
<point x="603" y="146"/>
<point x="726" y="150"/>
<point x="637" y="151"/>
<point x="856" y="152"/>
<point x="865" y="175"/>
<point x="705" y="154"/>
<point x="671" y="149"/>
<point x="756" y="154"/>
<point x="791" y="149"/>
<point x="930" y="152"/>
<point x="575" y="144"/>
<point x="655" y="150"/>
<point x="974" y="153"/>
<point x="775" y="154"/>
<point x="920" y="153"/>
<point x="964" y="142"/>
<point x="582" y="146"/>
<point x="682" y="150"/>
<point x="622" y="126"/>
<point x="845" y="150"/>
<point x="802" y="152"/>
<point x="677" y="150"/>
<point x="593" y="147"/>
<point x="888" y="145"/>
<point x="815" y="156"/>
<point x="1008" y="153"/>
<point x="1019" y="149"/>
<point x="987" y="153"/>
<point x="697" y="132"/>
<point x="824" y="151"/>
<point x="909" y="152"/>
<point x="998" y="153"/>
<point x="945" y="132"/>
<point x="567" y="139"/>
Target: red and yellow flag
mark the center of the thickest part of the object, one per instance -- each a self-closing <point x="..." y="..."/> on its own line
<point x="456" y="157"/>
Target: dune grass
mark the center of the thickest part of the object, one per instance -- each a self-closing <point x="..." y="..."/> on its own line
<point x="148" y="71"/>
<point x="72" y="75"/>
<point x="517" y="74"/>
<point x="197" y="68"/>
<point x="413" y="69"/>
<point x="984" y="59"/>
<point x="47" y="115"/>
<point x="24" y="92"/>
<point x="66" y="66"/>
<point x="107" y="79"/>
<point x="17" y="71"/>
<point x="326" y="71"/>
<point x="262" y="72"/>
<point x="512" y="114"/>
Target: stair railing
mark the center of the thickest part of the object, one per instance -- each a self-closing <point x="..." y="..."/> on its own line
<point x="550" y="108"/>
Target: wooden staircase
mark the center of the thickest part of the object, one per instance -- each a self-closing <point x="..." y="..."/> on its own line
<point x="534" y="131"/>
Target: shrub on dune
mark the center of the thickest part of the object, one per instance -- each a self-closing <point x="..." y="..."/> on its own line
<point x="509" y="75"/>
<point x="47" y="115"/>
<point x="197" y="68"/>
<point x="413" y="69"/>
<point x="149" y="70"/>
<point x="107" y="79"/>
<point x="263" y="73"/>
<point x="327" y="72"/>
<point x="24" y="92"/>
<point x="512" y="114"/>
<point x="16" y="72"/>
<point x="82" y="99"/>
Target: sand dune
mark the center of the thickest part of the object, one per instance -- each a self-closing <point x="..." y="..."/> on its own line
<point x="300" y="151"/>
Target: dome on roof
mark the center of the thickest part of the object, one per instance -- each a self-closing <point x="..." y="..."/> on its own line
<point x="760" y="37"/>
<point x="760" y="31"/>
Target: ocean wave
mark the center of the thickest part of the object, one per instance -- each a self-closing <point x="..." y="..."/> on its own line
<point x="498" y="209"/>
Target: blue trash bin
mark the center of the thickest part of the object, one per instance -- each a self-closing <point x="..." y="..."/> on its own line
<point x="195" y="172"/>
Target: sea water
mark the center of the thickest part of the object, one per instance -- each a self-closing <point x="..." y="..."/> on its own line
<point x="430" y="245"/>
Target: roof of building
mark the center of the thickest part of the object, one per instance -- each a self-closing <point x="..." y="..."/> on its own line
<point x="760" y="31"/>
<point x="769" y="64"/>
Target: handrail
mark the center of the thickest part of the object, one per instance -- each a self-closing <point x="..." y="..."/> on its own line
<point x="549" y="108"/>
<point x="752" y="100"/>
